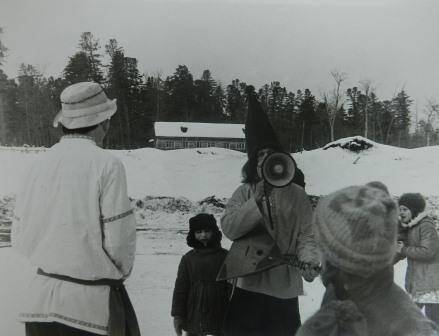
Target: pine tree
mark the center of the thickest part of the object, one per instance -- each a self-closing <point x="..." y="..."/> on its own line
<point x="374" y="110"/>
<point x="387" y="120"/>
<point x="235" y="102"/>
<point x="125" y="84"/>
<point x="3" y="91"/>
<point x="219" y="101"/>
<point x="401" y="105"/>
<point x="78" y="69"/>
<point x="8" y="92"/>
<point x="35" y="109"/>
<point x="307" y="119"/>
<point x="179" y="95"/>
<point x="85" y="65"/>
<point x="280" y="107"/>
<point x="353" y="118"/>
<point x="90" y="46"/>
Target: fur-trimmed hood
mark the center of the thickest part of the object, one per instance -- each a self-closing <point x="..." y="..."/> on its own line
<point x="215" y="241"/>
<point x="415" y="221"/>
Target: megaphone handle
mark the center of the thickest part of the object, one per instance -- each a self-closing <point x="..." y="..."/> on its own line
<point x="267" y="202"/>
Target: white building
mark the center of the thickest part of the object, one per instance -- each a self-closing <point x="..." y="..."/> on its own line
<point x="175" y="135"/>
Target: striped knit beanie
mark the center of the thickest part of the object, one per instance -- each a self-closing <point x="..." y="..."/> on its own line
<point x="356" y="229"/>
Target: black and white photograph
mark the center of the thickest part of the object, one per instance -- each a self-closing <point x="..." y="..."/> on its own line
<point x="219" y="167"/>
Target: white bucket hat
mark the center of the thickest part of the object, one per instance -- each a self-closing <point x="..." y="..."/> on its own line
<point x="84" y="104"/>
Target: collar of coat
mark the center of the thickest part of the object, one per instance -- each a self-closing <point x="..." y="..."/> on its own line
<point x="415" y="221"/>
<point x="78" y="136"/>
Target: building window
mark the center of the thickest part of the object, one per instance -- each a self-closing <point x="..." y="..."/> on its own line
<point x="191" y="144"/>
<point x="226" y="145"/>
<point x="169" y="144"/>
<point x="240" y="146"/>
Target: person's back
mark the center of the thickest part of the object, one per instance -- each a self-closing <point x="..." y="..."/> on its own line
<point x="393" y="313"/>
<point x="64" y="191"/>
<point x="74" y="222"/>
<point x="387" y="309"/>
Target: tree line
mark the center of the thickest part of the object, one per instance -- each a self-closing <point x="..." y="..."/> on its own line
<point x="302" y="120"/>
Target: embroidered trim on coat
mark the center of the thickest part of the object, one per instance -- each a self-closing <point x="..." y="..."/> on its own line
<point x="65" y="318"/>
<point x="78" y="136"/>
<point x="114" y="218"/>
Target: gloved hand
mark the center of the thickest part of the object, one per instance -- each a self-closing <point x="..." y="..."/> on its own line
<point x="262" y="190"/>
<point x="399" y="247"/>
<point x="178" y="325"/>
<point x="310" y="272"/>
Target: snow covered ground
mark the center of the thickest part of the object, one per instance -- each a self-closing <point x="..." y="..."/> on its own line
<point x="166" y="187"/>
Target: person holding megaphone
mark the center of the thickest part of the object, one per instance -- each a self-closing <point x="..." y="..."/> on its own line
<point x="268" y="218"/>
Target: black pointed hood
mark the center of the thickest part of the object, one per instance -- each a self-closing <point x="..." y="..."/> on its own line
<point x="258" y="130"/>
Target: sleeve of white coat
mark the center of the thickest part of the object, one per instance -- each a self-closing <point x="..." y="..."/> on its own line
<point x="307" y="250"/>
<point x="241" y="216"/>
<point x="16" y="222"/>
<point x="118" y="222"/>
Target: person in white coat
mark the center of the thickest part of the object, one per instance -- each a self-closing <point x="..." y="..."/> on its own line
<point x="74" y="222"/>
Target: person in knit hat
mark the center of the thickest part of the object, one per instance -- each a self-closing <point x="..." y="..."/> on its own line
<point x="199" y="302"/>
<point x="266" y="225"/>
<point x="421" y="248"/>
<point x="356" y="229"/>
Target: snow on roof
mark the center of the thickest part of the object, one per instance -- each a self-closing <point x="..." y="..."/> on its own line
<point x="199" y="130"/>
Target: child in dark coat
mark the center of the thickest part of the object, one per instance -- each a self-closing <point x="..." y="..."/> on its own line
<point x="199" y="301"/>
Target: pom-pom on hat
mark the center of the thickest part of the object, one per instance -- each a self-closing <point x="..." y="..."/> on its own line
<point x="84" y="104"/>
<point x="356" y="229"/>
<point x="414" y="201"/>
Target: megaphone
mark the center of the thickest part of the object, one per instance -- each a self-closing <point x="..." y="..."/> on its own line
<point x="278" y="169"/>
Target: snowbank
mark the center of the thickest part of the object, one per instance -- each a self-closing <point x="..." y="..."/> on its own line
<point x="168" y="187"/>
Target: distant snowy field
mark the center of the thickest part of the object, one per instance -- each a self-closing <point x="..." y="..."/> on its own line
<point x="188" y="176"/>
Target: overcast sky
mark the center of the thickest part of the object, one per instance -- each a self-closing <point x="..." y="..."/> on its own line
<point x="392" y="43"/>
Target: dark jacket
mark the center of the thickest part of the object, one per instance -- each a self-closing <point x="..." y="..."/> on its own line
<point x="422" y="252"/>
<point x="373" y="307"/>
<point x="198" y="298"/>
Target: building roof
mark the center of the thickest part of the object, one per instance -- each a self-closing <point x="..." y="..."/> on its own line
<point x="198" y="130"/>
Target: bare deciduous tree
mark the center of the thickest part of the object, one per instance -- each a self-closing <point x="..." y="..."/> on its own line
<point x="366" y="85"/>
<point x="334" y="100"/>
<point x="432" y="112"/>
